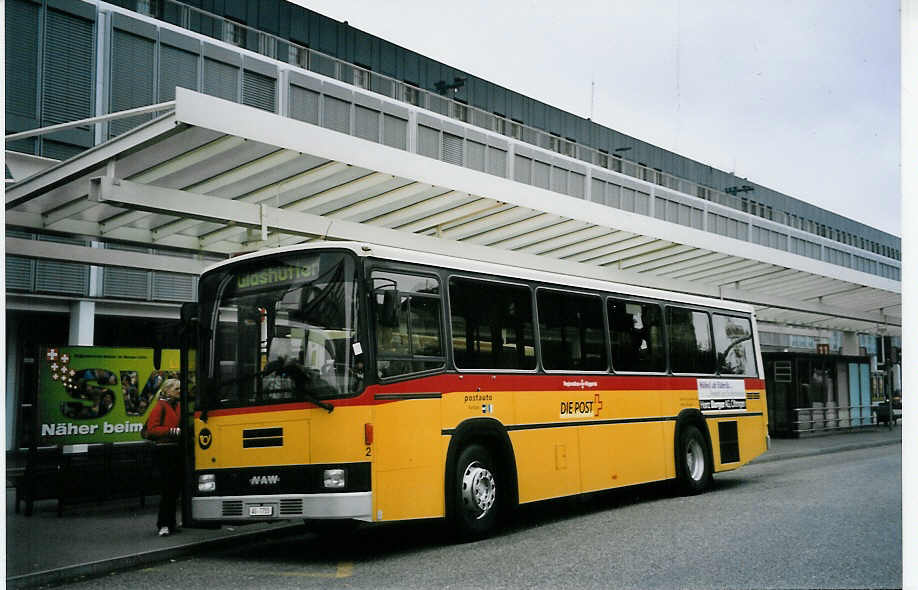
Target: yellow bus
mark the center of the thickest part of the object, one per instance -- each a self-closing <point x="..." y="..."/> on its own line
<point x="347" y="381"/>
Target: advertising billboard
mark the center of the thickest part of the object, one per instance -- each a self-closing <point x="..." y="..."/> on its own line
<point x="92" y="394"/>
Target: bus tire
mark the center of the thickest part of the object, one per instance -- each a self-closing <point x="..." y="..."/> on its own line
<point x="475" y="502"/>
<point x="693" y="461"/>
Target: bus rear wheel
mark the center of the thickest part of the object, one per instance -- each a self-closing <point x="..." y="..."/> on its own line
<point x="476" y="501"/>
<point x="693" y="464"/>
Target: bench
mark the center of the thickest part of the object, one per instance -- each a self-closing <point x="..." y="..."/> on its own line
<point x="85" y="473"/>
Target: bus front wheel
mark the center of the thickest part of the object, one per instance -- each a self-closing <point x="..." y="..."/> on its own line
<point x="693" y="464"/>
<point x="475" y="502"/>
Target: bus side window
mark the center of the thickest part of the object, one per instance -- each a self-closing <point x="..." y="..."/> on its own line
<point x="636" y="331"/>
<point x="571" y="331"/>
<point x="690" y="346"/>
<point x="492" y="325"/>
<point x="733" y="341"/>
<point x="408" y="323"/>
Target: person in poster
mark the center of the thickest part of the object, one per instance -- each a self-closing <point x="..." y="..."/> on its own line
<point x="163" y="428"/>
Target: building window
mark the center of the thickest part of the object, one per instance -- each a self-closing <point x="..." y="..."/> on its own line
<point x="299" y="56"/>
<point x="267" y="45"/>
<point x="554" y="143"/>
<point x="602" y="159"/>
<point x="459" y="111"/>
<point x="233" y="33"/>
<point x="149" y="7"/>
<point x="516" y="129"/>
<point x="361" y="78"/>
<point x="569" y="147"/>
<point x="411" y="94"/>
<point x="646" y="173"/>
<point x="507" y="127"/>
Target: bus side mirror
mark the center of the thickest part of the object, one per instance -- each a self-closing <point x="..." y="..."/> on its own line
<point x="390" y="314"/>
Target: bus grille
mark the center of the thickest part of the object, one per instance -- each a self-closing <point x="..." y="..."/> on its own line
<point x="291" y="506"/>
<point x="256" y="438"/>
<point x="232" y="508"/>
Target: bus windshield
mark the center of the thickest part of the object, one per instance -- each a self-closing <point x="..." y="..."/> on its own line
<point x="284" y="330"/>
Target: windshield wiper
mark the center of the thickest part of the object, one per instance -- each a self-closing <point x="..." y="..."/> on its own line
<point x="305" y="396"/>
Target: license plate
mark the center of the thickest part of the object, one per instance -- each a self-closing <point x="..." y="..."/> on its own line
<point x="261" y="510"/>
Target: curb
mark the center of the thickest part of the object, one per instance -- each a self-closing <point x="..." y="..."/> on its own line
<point x="823" y="451"/>
<point x="102" y="567"/>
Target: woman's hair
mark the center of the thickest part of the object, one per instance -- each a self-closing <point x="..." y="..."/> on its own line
<point x="170" y="384"/>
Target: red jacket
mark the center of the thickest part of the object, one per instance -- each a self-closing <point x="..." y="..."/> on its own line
<point x="162" y="420"/>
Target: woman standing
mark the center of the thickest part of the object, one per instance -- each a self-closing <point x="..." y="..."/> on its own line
<point x="163" y="428"/>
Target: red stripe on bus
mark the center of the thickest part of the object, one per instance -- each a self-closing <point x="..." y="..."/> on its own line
<point x="497" y="382"/>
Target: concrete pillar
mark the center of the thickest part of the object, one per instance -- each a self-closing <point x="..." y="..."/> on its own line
<point x="82" y="323"/>
<point x="849" y="344"/>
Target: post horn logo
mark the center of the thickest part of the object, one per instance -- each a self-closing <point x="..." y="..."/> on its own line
<point x="205" y="438"/>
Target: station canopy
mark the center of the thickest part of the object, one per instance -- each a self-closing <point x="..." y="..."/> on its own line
<point x="216" y="177"/>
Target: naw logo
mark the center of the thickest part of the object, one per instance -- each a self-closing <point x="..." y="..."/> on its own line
<point x="264" y="480"/>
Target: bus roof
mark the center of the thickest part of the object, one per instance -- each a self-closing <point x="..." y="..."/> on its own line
<point x="457" y="263"/>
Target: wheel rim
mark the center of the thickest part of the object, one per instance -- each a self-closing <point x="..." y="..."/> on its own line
<point x="694" y="459"/>
<point x="478" y="490"/>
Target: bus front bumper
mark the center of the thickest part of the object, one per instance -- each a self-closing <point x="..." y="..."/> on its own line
<point x="356" y="505"/>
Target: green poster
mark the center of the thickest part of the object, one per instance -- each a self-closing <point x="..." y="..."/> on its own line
<point x="90" y="394"/>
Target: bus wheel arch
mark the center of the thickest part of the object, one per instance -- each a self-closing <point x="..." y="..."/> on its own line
<point x="484" y="448"/>
<point x="693" y="453"/>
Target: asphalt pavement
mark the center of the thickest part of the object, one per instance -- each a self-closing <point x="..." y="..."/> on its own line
<point x="94" y="540"/>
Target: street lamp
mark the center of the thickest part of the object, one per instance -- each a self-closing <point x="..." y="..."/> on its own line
<point x="733" y="190"/>
<point x="442" y="86"/>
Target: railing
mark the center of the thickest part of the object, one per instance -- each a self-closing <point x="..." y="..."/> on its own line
<point x="832" y="417"/>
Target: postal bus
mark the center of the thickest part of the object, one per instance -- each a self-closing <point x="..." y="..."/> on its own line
<point x="343" y="380"/>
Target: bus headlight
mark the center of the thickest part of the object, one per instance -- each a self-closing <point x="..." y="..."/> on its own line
<point x="333" y="478"/>
<point x="207" y="483"/>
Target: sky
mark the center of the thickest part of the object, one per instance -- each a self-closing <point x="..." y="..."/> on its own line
<point x="801" y="97"/>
